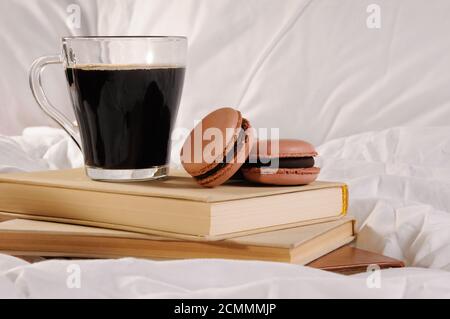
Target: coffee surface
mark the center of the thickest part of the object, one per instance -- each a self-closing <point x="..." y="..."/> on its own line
<point x="125" y="113"/>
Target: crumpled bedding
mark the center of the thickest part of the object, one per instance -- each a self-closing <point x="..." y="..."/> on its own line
<point x="310" y="67"/>
<point x="132" y="278"/>
<point x="399" y="181"/>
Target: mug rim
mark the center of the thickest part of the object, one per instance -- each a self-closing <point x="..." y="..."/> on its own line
<point x="118" y="37"/>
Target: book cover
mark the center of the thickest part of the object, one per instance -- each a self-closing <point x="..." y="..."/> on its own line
<point x="176" y="207"/>
<point x="298" y="245"/>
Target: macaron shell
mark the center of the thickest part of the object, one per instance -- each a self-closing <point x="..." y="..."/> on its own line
<point x="232" y="168"/>
<point x="286" y="148"/>
<point x="281" y="176"/>
<point x="222" y="119"/>
<point x="220" y="177"/>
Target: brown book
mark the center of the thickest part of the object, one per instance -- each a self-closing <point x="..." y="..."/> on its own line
<point x="176" y="207"/>
<point x="350" y="260"/>
<point x="298" y="245"/>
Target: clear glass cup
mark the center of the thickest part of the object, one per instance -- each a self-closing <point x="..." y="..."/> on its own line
<point x="125" y="93"/>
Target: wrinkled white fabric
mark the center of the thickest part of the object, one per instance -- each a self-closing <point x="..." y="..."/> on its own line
<point x="132" y="278"/>
<point x="310" y="67"/>
<point x="399" y="181"/>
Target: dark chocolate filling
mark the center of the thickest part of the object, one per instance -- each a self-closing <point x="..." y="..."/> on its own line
<point x="285" y="162"/>
<point x="230" y="156"/>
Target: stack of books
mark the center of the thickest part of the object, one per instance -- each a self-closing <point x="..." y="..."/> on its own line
<point x="64" y="214"/>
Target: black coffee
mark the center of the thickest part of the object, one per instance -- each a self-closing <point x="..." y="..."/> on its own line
<point x="125" y="114"/>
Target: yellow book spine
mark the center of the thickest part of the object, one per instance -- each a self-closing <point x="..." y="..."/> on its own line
<point x="344" y="200"/>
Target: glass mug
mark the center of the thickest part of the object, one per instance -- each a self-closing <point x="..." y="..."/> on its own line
<point x="125" y="93"/>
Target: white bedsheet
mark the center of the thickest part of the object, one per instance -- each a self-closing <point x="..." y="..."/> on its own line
<point x="399" y="183"/>
<point x="311" y="67"/>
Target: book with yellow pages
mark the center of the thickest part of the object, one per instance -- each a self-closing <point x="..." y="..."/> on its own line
<point x="298" y="245"/>
<point x="175" y="207"/>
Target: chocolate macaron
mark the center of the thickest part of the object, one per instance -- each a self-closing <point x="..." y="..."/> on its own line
<point x="217" y="147"/>
<point x="291" y="163"/>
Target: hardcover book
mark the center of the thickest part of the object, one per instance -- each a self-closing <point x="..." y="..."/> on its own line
<point x="175" y="207"/>
<point x="298" y="245"/>
<point x="350" y="260"/>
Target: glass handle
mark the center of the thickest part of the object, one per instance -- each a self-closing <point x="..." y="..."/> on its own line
<point x="38" y="92"/>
